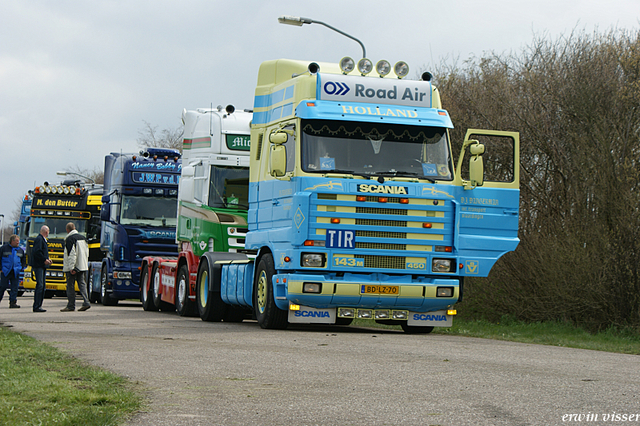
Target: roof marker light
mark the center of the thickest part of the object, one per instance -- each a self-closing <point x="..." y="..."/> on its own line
<point x="347" y="65"/>
<point x="365" y="66"/>
<point x="383" y="67"/>
<point x="401" y="69"/>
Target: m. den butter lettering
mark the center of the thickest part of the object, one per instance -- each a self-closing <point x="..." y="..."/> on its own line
<point x="56" y="203"/>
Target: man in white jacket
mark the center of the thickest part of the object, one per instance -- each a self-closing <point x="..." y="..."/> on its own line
<point x="76" y="264"/>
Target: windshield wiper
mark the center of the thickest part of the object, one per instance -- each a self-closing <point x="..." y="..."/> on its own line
<point x="349" y="172"/>
<point x="410" y="174"/>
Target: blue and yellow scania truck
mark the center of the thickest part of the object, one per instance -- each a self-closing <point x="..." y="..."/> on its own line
<point x="357" y="208"/>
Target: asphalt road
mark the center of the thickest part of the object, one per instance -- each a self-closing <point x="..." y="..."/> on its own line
<point x="198" y="373"/>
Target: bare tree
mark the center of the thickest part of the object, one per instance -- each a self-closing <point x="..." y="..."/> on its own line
<point x="150" y="137"/>
<point x="575" y="103"/>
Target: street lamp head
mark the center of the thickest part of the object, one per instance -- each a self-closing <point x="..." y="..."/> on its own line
<point x="298" y="21"/>
<point x="294" y="20"/>
<point x="63" y="173"/>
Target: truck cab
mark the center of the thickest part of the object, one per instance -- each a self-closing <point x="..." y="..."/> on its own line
<point x="357" y="206"/>
<point x="138" y="215"/>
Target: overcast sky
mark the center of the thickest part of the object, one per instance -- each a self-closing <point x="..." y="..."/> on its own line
<point x="79" y="78"/>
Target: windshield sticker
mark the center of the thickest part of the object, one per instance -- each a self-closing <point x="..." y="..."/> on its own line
<point x="327" y="163"/>
<point x="429" y="169"/>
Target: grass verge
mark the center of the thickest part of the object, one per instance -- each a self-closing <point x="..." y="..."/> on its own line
<point x="40" y="385"/>
<point x="626" y="341"/>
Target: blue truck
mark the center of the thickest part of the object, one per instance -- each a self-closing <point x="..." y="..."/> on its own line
<point x="357" y="208"/>
<point x="138" y="214"/>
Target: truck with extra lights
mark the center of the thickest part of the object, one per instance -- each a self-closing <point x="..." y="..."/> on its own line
<point x="357" y="208"/>
<point x="212" y="206"/>
<point x="55" y="206"/>
<point x="138" y="218"/>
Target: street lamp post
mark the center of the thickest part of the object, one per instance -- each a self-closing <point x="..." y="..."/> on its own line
<point x="77" y="174"/>
<point x="298" y="21"/>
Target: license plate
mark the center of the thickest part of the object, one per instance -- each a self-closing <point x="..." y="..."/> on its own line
<point x="379" y="289"/>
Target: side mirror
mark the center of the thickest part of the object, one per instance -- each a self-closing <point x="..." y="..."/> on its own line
<point x="476" y="166"/>
<point x="278" y="160"/>
<point x="105" y="211"/>
<point x="278" y="138"/>
<point x="186" y="186"/>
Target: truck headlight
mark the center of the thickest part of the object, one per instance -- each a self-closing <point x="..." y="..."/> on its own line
<point x="312" y="260"/>
<point x="311" y="287"/>
<point x="444" y="292"/>
<point x="122" y="275"/>
<point x="443" y="265"/>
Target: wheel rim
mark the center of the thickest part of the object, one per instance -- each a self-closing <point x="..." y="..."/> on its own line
<point x="182" y="289"/>
<point x="204" y="288"/>
<point x="262" y="292"/>
<point x="145" y="289"/>
<point x="103" y="284"/>
<point x="156" y="285"/>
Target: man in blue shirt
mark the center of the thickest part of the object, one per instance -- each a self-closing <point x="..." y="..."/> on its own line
<point x="13" y="261"/>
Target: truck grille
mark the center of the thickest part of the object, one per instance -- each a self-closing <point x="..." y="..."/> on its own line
<point x="390" y="232"/>
<point x="383" y="262"/>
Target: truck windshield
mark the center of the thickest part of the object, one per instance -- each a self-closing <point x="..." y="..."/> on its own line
<point x="375" y="149"/>
<point x="229" y="187"/>
<point x="57" y="226"/>
<point x="149" y="211"/>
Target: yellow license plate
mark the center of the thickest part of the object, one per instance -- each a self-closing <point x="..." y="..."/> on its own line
<point x="379" y="289"/>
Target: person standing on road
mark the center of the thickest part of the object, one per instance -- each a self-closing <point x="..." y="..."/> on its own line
<point x="39" y="261"/>
<point x="13" y="261"/>
<point x="76" y="265"/>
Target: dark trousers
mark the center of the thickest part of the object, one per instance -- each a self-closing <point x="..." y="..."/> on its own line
<point x="10" y="281"/>
<point x="38" y="296"/>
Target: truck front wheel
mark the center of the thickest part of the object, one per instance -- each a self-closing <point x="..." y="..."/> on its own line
<point x="145" y="295"/>
<point x="210" y="305"/>
<point x="106" y="297"/>
<point x="184" y="306"/>
<point x="264" y="305"/>
<point x="156" y="279"/>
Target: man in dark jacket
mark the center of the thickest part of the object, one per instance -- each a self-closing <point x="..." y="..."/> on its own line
<point x="13" y="262"/>
<point x="39" y="261"/>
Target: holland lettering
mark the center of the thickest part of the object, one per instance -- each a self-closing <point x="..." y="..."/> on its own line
<point x="386" y="112"/>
